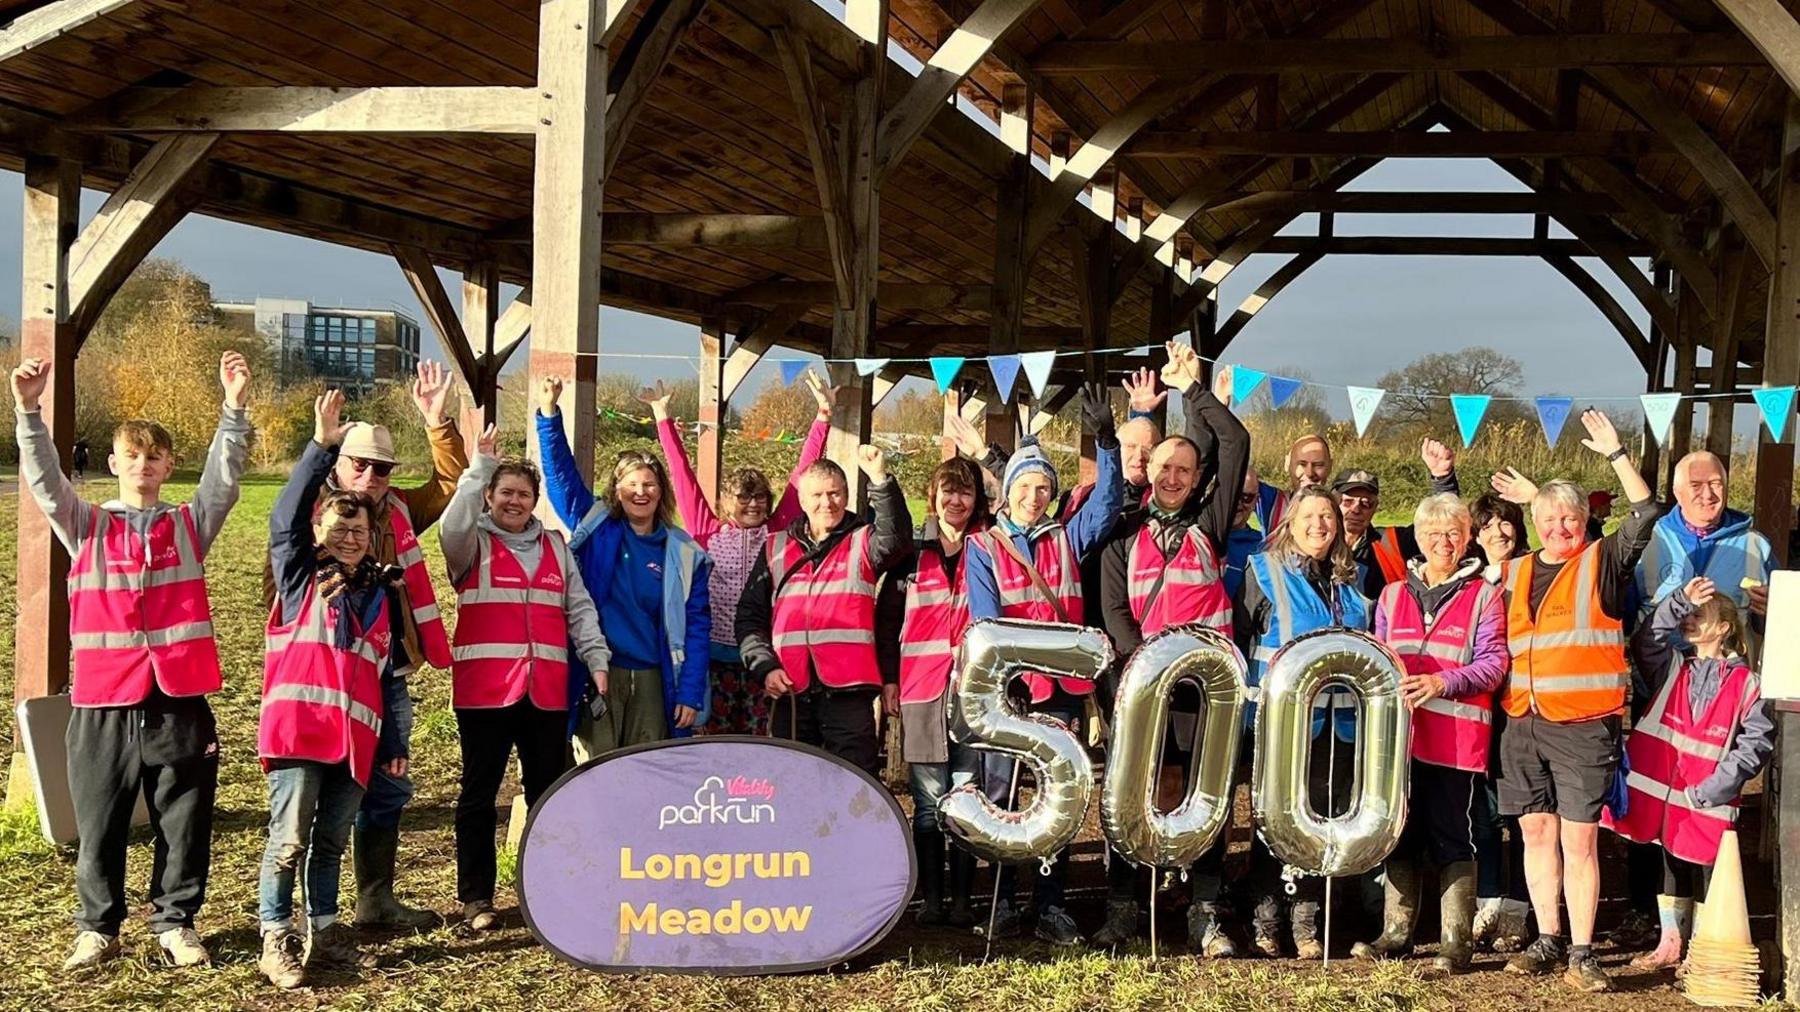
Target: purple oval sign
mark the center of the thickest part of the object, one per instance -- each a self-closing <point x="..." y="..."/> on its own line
<point x="727" y="854"/>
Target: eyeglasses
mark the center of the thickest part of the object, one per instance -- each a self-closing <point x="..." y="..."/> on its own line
<point x="1440" y="537"/>
<point x="1247" y="499"/>
<point x="343" y="533"/>
<point x="381" y="467"/>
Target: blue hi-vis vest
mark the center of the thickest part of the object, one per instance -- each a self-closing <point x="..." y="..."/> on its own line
<point x="1736" y="551"/>
<point x="1295" y="608"/>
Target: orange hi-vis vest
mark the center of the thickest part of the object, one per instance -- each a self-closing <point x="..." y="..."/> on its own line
<point x="824" y="611"/>
<point x="1673" y="749"/>
<point x="138" y="612"/>
<point x="1193" y="584"/>
<point x="1054" y="558"/>
<point x="1568" y="661"/>
<point x="1388" y="556"/>
<point x="320" y="702"/>
<point x="512" y="635"/>
<point x="1446" y="732"/>
<point x="937" y="615"/>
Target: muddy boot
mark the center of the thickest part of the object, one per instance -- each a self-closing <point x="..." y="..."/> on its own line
<point x="1456" y="917"/>
<point x="929" y="843"/>
<point x="280" y="962"/>
<point x="1206" y="936"/>
<point x="1303" y="920"/>
<point x="1399" y="912"/>
<point x="1266" y="928"/>
<point x="1120" y="926"/>
<point x="962" y="885"/>
<point x="376" y="906"/>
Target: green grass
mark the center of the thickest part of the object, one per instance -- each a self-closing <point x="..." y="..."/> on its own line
<point x="446" y="969"/>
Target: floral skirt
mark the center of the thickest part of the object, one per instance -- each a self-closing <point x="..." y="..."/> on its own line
<point x="738" y="703"/>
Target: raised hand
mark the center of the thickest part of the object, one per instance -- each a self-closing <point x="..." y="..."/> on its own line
<point x="234" y="376"/>
<point x="1513" y="486"/>
<point x="430" y="391"/>
<point x="1140" y="389"/>
<point x="549" y="391"/>
<point x="1699" y="590"/>
<point x="1096" y="410"/>
<point x="1183" y="368"/>
<point x="328" y="424"/>
<point x="657" y="397"/>
<point x="968" y="441"/>
<point x="1221" y="383"/>
<point x="29" y="381"/>
<point x="1602" y="437"/>
<point x="1439" y="459"/>
<point x="823" y="393"/>
<point x="872" y="461"/>
<point x="488" y="442"/>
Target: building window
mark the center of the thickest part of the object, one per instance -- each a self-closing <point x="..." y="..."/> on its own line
<point x="368" y="331"/>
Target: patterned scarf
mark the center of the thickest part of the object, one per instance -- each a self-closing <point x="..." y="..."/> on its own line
<point x="335" y="579"/>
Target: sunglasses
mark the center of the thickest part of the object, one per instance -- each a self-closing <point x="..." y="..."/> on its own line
<point x="381" y="468"/>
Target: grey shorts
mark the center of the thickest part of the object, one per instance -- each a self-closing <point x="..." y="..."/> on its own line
<point x="1564" y="769"/>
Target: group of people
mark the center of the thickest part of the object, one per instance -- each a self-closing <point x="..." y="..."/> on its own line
<point x="805" y="619"/>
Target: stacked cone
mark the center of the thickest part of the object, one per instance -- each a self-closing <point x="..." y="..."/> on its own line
<point x="1723" y="969"/>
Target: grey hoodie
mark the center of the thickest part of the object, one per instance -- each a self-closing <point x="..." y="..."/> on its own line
<point x="466" y="521"/>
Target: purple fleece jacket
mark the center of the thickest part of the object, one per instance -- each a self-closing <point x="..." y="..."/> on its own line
<point x="1492" y="657"/>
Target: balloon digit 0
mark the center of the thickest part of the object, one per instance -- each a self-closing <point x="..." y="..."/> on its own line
<point x="993" y="651"/>
<point x="1140" y="718"/>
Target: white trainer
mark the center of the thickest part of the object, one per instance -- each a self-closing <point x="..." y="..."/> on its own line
<point x="91" y="949"/>
<point x="183" y="947"/>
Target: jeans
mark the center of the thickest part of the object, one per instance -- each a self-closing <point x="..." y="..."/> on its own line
<point x="1048" y="891"/>
<point x="312" y="806"/>
<point x="931" y="781"/>
<point x="388" y="794"/>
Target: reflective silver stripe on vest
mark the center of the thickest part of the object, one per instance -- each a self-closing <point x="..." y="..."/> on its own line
<point x="930" y="648"/>
<point x="322" y="635"/>
<point x="496" y="595"/>
<point x="926" y="598"/>
<point x="1576" y="682"/>
<point x="411" y="557"/>
<point x="1655" y="724"/>
<point x="322" y="696"/>
<point x="1459" y="710"/>
<point x="188" y="565"/>
<point x="142" y="638"/>
<point x="821" y="637"/>
<point x="509" y="651"/>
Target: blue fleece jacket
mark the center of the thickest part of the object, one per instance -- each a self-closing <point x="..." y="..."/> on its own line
<point x="1087" y="529"/>
<point x="598" y="544"/>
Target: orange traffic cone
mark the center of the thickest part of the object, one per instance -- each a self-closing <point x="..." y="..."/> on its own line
<point x="1723" y="966"/>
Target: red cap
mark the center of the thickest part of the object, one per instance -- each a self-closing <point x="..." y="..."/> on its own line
<point x="1600" y="500"/>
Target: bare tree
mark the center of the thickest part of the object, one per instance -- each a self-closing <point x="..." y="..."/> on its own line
<point x="1418" y="394"/>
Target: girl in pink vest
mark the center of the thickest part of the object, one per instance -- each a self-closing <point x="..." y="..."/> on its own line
<point x="1706" y="734"/>
<point x="1448" y="625"/>
<point x="734" y="536"/>
<point x="521" y="608"/>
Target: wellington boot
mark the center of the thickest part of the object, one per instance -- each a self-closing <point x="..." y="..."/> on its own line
<point x="1399" y="912"/>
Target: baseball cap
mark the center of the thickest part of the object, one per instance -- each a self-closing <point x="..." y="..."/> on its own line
<point x="368" y="441"/>
<point x="1356" y="477"/>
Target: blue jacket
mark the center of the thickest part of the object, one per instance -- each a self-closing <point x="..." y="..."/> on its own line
<point x="1297" y="604"/>
<point x="1242" y="543"/>
<point x="594" y="543"/>
<point x="1087" y="529"/>
<point x="1676" y="555"/>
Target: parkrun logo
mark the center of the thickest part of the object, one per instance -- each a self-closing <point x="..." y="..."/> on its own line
<point x="743" y="801"/>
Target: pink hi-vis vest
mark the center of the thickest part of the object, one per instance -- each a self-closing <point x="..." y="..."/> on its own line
<point x="421" y="598"/>
<point x="1672" y="749"/>
<point x="512" y="635"/>
<point x="1193" y="588"/>
<point x="1019" y="597"/>
<point x="824" y="611"/>
<point x="1446" y="732"/>
<point x="937" y="615"/>
<point x="138" y="612"/>
<point x="320" y="702"/>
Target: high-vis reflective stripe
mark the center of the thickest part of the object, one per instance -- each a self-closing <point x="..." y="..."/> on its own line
<point x="421" y="597"/>
<point x="824" y="611"/>
<point x="138" y="612"/>
<point x="1388" y="556"/>
<point x="1568" y="660"/>
<point x="1446" y="732"/>
<point x="1192" y="585"/>
<point x="937" y="615"/>
<point x="1296" y="608"/>
<point x="319" y="701"/>
<point x="512" y="633"/>
<point x="1672" y="749"/>
<point x="1054" y="557"/>
<point x="926" y="650"/>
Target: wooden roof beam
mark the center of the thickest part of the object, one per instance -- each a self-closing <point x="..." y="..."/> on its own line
<point x="1189" y="57"/>
<point x="1253" y="303"/>
<point x="36" y="27"/>
<point x="1772" y="30"/>
<point x="657" y="35"/>
<point x="1415" y="245"/>
<point x="1398" y="202"/>
<point x="889" y="295"/>
<point x="1399" y="144"/>
<point x="440" y="312"/>
<point x="488" y="109"/>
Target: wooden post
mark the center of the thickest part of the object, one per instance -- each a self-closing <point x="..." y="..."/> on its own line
<point x="1774" y="512"/>
<point x="709" y="454"/>
<point x="1721" y="410"/>
<point x="1007" y="307"/>
<point x="481" y="313"/>
<point x="1681" y="430"/>
<point x="52" y="202"/>
<point x="1093" y="294"/>
<point x="566" y="192"/>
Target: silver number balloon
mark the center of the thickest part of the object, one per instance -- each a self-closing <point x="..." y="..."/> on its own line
<point x="993" y="651"/>
<point x="1363" y="836"/>
<point x="1140" y="719"/>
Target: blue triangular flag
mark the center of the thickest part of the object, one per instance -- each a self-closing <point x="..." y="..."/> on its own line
<point x="1777" y="403"/>
<point x="944" y="369"/>
<point x="791" y="368"/>
<point x="1006" y="372"/>
<point x="1281" y="389"/>
<point x="1037" y="369"/>
<point x="1363" y="402"/>
<point x="1552" y="413"/>
<point x="1659" y="411"/>
<point x="870" y="366"/>
<point x="1244" y="381"/>
<point x="1469" y="408"/>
